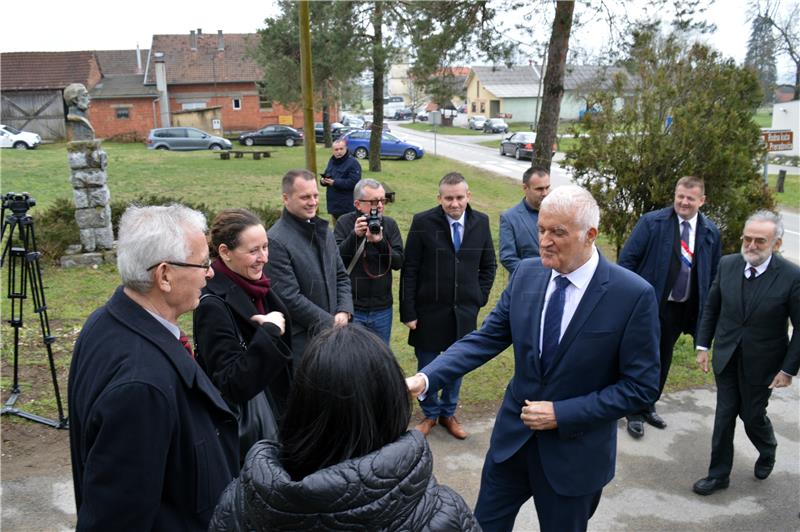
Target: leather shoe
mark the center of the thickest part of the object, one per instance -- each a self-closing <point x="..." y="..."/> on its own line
<point x="708" y="485"/>
<point x="635" y="426"/>
<point x="654" y="419"/>
<point x="453" y="427"/>
<point x="763" y="468"/>
<point x="425" y="426"/>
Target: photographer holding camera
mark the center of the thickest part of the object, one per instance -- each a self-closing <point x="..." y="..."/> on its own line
<point x="371" y="247"/>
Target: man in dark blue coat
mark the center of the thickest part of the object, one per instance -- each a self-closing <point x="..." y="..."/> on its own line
<point x="676" y="250"/>
<point x="341" y="175"/>
<point x="519" y="233"/>
<point x="152" y="442"/>
<point x="585" y="337"/>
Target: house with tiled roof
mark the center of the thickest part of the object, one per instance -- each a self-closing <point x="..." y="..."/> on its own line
<point x="515" y="92"/>
<point x="32" y="84"/>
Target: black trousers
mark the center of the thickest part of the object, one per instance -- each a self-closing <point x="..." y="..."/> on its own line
<point x="737" y="397"/>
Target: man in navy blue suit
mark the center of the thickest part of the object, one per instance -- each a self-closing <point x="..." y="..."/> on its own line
<point x="675" y="249"/>
<point x="585" y="336"/>
<point x="519" y="232"/>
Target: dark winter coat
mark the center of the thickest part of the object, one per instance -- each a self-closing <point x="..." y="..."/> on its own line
<point x="441" y="289"/>
<point x="392" y="488"/>
<point x="152" y="442"/>
<point x="346" y="172"/>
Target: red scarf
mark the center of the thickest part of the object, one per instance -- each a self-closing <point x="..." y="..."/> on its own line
<point x="256" y="290"/>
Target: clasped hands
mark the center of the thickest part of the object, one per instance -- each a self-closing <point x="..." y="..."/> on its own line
<point x="276" y="318"/>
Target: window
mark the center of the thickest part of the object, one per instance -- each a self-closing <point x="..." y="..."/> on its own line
<point x="474" y="107"/>
<point x="264" y="99"/>
<point x="195" y="134"/>
<point x="483" y="107"/>
<point x="123" y="113"/>
<point x="237" y="104"/>
<point x="479" y="88"/>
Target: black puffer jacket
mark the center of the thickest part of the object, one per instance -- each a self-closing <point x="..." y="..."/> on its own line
<point x="392" y="488"/>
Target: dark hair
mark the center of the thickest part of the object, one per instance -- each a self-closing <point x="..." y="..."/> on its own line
<point x="287" y="183"/>
<point x="537" y="171"/>
<point x="348" y="398"/>
<point x="453" y="178"/>
<point x="227" y="227"/>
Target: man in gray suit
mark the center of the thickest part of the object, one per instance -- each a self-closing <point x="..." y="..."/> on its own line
<point x="519" y="234"/>
<point x="304" y="266"/>
<point x="754" y="296"/>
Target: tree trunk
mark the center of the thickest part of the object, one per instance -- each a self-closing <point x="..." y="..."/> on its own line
<point x="326" y="116"/>
<point x="378" y="70"/>
<point x="553" y="85"/>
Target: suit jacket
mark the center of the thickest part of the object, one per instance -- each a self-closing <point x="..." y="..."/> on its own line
<point x="152" y="442"/>
<point x="242" y="372"/>
<point x="441" y="289"/>
<point x="650" y="250"/>
<point x="761" y="331"/>
<point x="308" y="275"/>
<point x="519" y="236"/>
<point x="606" y="366"/>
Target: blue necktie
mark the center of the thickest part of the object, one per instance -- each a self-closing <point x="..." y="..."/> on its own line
<point x="680" y="290"/>
<point x="552" y="322"/>
<point x="457" y="236"/>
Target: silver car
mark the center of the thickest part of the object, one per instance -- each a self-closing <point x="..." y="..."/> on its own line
<point x="185" y="138"/>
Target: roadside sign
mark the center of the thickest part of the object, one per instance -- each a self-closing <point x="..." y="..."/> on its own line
<point x="778" y="139"/>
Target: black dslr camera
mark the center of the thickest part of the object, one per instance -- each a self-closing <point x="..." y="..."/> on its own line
<point x="18" y="203"/>
<point x="374" y="221"/>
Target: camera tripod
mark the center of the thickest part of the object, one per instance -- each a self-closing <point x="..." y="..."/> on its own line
<point x="23" y="272"/>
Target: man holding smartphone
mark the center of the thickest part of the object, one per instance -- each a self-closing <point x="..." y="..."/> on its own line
<point x="340" y="178"/>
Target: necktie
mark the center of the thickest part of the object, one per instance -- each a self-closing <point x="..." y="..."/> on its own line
<point x="457" y="236"/>
<point x="680" y="290"/>
<point x="752" y="273"/>
<point x="185" y="343"/>
<point x="552" y="322"/>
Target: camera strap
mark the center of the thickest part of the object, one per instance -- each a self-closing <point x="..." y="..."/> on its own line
<point x="359" y="251"/>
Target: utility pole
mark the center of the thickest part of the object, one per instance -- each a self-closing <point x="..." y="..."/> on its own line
<point x="309" y="143"/>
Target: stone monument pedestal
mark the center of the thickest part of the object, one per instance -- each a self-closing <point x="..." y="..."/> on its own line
<point x="87" y="162"/>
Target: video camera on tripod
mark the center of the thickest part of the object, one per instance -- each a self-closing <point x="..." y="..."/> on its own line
<point x="25" y="272"/>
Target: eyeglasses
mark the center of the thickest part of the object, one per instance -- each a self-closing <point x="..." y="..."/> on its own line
<point x="760" y="241"/>
<point x="206" y="265"/>
<point x="374" y="202"/>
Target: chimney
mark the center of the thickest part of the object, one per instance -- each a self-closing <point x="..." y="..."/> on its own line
<point x="199" y="31"/>
<point x="193" y="41"/>
<point x="161" y="86"/>
<point x="220" y="41"/>
<point x="138" y="59"/>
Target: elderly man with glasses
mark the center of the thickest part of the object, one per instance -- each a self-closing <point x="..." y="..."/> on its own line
<point x="371" y="247"/>
<point x="755" y="295"/>
<point x="152" y="442"/>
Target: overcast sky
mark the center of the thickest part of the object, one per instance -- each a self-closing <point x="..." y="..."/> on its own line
<point x="49" y="25"/>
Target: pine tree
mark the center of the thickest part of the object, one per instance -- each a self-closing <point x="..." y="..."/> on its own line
<point x="761" y="56"/>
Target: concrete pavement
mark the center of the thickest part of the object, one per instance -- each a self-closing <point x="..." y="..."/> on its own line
<point x="651" y="490"/>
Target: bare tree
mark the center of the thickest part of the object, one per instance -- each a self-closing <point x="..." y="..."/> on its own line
<point x="787" y="26"/>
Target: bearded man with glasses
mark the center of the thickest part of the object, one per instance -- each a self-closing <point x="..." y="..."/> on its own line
<point x="371" y="247"/>
<point x="152" y="442"/>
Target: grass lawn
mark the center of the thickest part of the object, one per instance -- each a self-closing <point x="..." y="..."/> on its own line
<point x="427" y="127"/>
<point x="790" y="197"/>
<point x="763" y="117"/>
<point x="72" y="294"/>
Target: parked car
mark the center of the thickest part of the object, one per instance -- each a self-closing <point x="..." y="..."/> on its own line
<point x="386" y="128"/>
<point x="495" y="125"/>
<point x="476" y="122"/>
<point x="422" y="116"/>
<point x="354" y="122"/>
<point x="272" y="135"/>
<point x="391" y="146"/>
<point x="403" y="114"/>
<point x="520" y="145"/>
<point x="11" y="137"/>
<point x="184" y="138"/>
<point x="337" y="130"/>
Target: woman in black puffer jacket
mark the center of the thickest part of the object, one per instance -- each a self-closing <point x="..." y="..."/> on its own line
<point x="347" y="461"/>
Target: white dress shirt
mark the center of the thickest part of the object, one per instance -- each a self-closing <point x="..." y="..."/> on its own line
<point x="573" y="293"/>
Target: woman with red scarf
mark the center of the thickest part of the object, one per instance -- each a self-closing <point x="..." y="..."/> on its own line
<point x="242" y="329"/>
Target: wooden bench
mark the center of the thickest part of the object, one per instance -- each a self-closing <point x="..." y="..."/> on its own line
<point x="238" y="154"/>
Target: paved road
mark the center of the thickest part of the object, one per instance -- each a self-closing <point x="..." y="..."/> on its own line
<point x="464" y="149"/>
<point x="651" y="490"/>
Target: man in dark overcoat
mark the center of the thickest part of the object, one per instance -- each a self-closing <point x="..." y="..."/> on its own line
<point x="152" y="442"/>
<point x="447" y="275"/>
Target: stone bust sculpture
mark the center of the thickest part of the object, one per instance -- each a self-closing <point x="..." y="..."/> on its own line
<point x="77" y="99"/>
